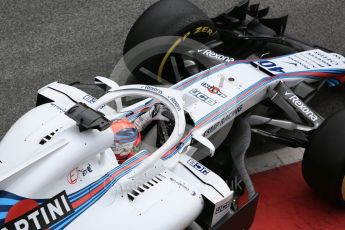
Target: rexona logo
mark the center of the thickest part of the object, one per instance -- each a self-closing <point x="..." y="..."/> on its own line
<point x="198" y="166"/>
<point x="271" y="66"/>
<point x="202" y="97"/>
<point x="42" y="216"/>
<point x="176" y="104"/>
<point x="302" y="107"/>
<point x="213" y="89"/>
<point x="153" y="89"/>
<point x="212" y="54"/>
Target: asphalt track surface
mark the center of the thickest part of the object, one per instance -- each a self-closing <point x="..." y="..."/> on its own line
<point x="67" y="41"/>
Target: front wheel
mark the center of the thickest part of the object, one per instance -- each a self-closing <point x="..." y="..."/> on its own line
<point x="178" y="18"/>
<point x="323" y="164"/>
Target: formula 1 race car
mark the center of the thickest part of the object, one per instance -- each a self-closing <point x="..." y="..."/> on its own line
<point x="156" y="157"/>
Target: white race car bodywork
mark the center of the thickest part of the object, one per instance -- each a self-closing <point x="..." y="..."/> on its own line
<point x="75" y="178"/>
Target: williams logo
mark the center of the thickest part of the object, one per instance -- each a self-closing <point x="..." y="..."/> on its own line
<point x="301" y="106"/>
<point x="42" y="216"/>
<point x="213" y="89"/>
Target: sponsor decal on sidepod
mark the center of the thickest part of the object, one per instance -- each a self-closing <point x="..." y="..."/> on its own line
<point x="42" y="216"/>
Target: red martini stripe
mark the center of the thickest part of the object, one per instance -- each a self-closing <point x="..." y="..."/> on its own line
<point x="94" y="192"/>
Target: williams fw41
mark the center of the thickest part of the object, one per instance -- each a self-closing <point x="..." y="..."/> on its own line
<point x="168" y="152"/>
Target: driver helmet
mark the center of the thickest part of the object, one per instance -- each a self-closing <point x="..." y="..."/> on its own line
<point x="127" y="139"/>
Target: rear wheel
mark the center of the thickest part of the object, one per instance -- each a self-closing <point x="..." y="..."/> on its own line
<point x="323" y="163"/>
<point x="167" y="18"/>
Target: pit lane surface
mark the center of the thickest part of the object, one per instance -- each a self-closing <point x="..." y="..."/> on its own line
<point x="46" y="41"/>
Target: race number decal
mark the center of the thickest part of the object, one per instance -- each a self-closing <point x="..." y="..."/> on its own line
<point x="304" y="61"/>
